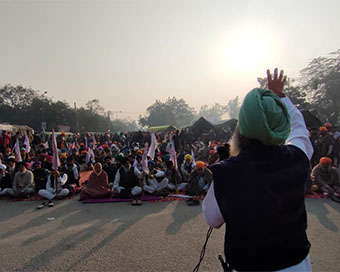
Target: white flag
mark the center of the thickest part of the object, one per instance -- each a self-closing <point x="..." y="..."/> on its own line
<point x="153" y="146"/>
<point x="145" y="159"/>
<point x="27" y="143"/>
<point x="17" y="151"/>
<point x="193" y="158"/>
<point x="173" y="156"/>
<point x="55" y="161"/>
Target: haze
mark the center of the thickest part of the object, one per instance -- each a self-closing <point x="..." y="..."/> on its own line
<point x="129" y="53"/>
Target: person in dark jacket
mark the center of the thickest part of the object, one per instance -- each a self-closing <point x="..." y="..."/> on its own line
<point x="258" y="193"/>
<point x="5" y="180"/>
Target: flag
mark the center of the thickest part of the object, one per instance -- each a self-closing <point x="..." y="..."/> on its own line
<point x="193" y="158"/>
<point x="73" y="145"/>
<point x="145" y="159"/>
<point x="94" y="143"/>
<point x="17" y="151"/>
<point x="27" y="143"/>
<point x="173" y="156"/>
<point x="153" y="146"/>
<point x="86" y="144"/>
<point x="55" y="161"/>
<point x="46" y="145"/>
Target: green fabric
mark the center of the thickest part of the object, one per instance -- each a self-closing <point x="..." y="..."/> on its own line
<point x="264" y="117"/>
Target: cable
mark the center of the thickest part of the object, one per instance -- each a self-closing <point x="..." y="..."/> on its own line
<point x="203" y="250"/>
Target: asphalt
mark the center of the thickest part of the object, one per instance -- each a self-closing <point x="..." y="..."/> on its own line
<point x="165" y="236"/>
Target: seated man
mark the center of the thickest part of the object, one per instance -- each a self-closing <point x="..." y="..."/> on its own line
<point x="186" y="168"/>
<point x="5" y="180"/>
<point x="155" y="180"/>
<point x="174" y="177"/>
<point x="200" y="180"/>
<point x="326" y="178"/>
<point x="97" y="186"/>
<point x="40" y="176"/>
<point x="71" y="169"/>
<point x="54" y="188"/>
<point x="126" y="183"/>
<point x="110" y="168"/>
<point x="23" y="182"/>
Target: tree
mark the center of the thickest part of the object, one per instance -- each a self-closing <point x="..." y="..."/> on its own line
<point x="94" y="106"/>
<point x="172" y="112"/>
<point x="321" y="80"/>
<point x="233" y="107"/>
<point x="213" y="114"/>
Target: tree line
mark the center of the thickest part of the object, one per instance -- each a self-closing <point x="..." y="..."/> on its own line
<point x="317" y="89"/>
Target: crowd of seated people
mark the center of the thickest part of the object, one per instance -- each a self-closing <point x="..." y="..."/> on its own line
<point x="122" y="169"/>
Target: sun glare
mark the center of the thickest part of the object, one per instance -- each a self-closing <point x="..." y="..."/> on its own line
<point x="246" y="51"/>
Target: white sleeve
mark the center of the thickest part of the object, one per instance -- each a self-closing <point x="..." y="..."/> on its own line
<point x="62" y="179"/>
<point x="211" y="211"/>
<point x="160" y="174"/>
<point x="138" y="173"/>
<point x="117" y="180"/>
<point x="299" y="135"/>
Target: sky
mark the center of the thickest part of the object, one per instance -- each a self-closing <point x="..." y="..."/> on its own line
<point x="129" y="53"/>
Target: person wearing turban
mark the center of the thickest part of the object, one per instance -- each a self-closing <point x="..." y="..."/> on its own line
<point x="186" y="168"/>
<point x="5" y="180"/>
<point x="199" y="182"/>
<point x="325" y="143"/>
<point x="326" y="179"/>
<point x="259" y="191"/>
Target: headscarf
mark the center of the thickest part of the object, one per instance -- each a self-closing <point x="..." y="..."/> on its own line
<point x="101" y="169"/>
<point x="264" y="117"/>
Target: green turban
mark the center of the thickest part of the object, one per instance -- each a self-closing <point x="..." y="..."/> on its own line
<point x="264" y="117"/>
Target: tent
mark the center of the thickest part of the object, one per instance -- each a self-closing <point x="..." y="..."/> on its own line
<point x="166" y="128"/>
<point x="202" y="126"/>
<point x="228" y="125"/>
<point x="16" y="128"/>
<point x="310" y="119"/>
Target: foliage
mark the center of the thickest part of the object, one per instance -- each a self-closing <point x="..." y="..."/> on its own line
<point x="233" y="108"/>
<point x="213" y="114"/>
<point x="172" y="112"/>
<point x="19" y="105"/>
<point x="321" y="80"/>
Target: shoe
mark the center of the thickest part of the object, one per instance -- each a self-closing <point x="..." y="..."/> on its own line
<point x="139" y="202"/>
<point x="42" y="205"/>
<point x="134" y="202"/>
<point x="50" y="204"/>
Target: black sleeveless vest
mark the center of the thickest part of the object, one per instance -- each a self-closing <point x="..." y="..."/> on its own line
<point x="260" y="194"/>
<point x="128" y="180"/>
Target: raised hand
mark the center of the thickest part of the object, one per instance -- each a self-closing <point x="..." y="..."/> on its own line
<point x="275" y="83"/>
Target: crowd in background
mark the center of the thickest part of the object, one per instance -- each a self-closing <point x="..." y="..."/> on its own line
<point x="123" y="167"/>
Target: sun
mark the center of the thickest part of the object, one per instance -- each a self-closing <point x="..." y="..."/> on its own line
<point x="246" y="51"/>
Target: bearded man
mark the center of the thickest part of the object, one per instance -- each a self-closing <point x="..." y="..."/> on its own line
<point x="259" y="192"/>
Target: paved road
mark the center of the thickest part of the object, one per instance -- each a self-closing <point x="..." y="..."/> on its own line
<point x="120" y="237"/>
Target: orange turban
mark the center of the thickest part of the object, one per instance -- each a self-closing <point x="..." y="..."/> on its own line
<point x="323" y="129"/>
<point x="199" y="165"/>
<point x="325" y="160"/>
<point x="83" y="152"/>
